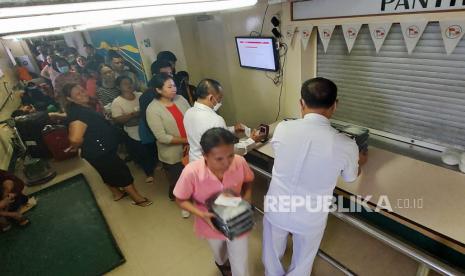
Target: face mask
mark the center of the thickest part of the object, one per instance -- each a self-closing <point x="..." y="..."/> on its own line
<point x="217" y="105"/>
<point x="63" y="69"/>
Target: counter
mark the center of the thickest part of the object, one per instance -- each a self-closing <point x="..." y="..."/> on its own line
<point x="407" y="181"/>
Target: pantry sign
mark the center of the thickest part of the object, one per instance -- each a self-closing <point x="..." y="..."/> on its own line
<point x="319" y="9"/>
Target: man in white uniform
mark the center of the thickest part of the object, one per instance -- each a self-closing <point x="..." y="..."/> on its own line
<point x="202" y="117"/>
<point x="310" y="155"/>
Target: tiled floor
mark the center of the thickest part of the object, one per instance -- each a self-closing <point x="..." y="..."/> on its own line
<point x="156" y="241"/>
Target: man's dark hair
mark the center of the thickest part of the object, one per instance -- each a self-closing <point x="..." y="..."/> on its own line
<point x="88" y="45"/>
<point x="319" y="93"/>
<point x="215" y="137"/>
<point x="158" y="64"/>
<point x="113" y="54"/>
<point x="182" y="74"/>
<point x="167" y="55"/>
<point x="158" y="81"/>
<point x="205" y="87"/>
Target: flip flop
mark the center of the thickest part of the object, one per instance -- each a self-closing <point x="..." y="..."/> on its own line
<point x="123" y="195"/>
<point x="144" y="203"/>
<point x="23" y="222"/>
<point x="5" y="228"/>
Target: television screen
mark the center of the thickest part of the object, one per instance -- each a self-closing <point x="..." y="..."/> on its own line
<point x="258" y="53"/>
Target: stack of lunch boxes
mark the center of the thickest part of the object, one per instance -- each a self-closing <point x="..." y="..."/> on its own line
<point x="232" y="221"/>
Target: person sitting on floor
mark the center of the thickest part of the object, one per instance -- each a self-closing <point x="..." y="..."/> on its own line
<point x="12" y="200"/>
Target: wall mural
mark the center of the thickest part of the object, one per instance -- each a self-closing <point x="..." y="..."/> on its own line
<point x="122" y="40"/>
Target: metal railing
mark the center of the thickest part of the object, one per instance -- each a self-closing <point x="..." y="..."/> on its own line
<point x="426" y="262"/>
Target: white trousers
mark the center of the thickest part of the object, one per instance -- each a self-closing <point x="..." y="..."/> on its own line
<point x="235" y="251"/>
<point x="304" y="249"/>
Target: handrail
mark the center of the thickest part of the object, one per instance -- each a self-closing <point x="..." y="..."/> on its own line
<point x="393" y="242"/>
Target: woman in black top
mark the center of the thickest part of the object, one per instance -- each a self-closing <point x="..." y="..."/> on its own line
<point x="98" y="141"/>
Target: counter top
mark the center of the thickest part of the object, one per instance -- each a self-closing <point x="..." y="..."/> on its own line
<point x="406" y="181"/>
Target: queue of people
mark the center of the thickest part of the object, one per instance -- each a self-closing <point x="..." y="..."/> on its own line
<point x="177" y="124"/>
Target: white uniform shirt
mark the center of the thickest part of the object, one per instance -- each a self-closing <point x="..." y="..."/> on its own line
<point x="197" y="120"/>
<point x="121" y="106"/>
<point x="310" y="155"/>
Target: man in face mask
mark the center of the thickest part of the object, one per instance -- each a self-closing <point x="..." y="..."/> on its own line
<point x="202" y="117"/>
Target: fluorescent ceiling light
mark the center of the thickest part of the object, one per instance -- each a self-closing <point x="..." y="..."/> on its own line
<point x="37" y="34"/>
<point x="86" y="6"/>
<point x="62" y="30"/>
<point x="30" y="23"/>
<point x="97" y="25"/>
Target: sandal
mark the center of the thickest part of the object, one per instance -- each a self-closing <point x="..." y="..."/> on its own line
<point x="123" y="195"/>
<point x="143" y="203"/>
<point x="225" y="269"/>
<point x="5" y="228"/>
<point x="23" y="222"/>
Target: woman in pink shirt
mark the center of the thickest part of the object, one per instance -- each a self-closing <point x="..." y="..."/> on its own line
<point x="220" y="170"/>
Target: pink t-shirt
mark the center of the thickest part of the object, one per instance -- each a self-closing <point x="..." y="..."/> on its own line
<point x="198" y="183"/>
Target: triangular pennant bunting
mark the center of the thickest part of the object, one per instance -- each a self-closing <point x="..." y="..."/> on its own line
<point x="350" y="34"/>
<point x="452" y="32"/>
<point x="412" y="32"/>
<point x="379" y="32"/>
<point x="305" y="33"/>
<point x="325" y="31"/>
<point x="290" y="34"/>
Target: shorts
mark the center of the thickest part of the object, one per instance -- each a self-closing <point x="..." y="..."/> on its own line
<point x="113" y="170"/>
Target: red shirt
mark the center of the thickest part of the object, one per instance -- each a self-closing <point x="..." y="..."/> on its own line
<point x="179" y="117"/>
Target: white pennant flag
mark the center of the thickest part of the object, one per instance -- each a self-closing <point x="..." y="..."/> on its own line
<point x="290" y="31"/>
<point x="452" y="32"/>
<point x="350" y="34"/>
<point x="326" y="31"/>
<point x="412" y="32"/>
<point x="379" y="32"/>
<point x="290" y="34"/>
<point x="305" y="33"/>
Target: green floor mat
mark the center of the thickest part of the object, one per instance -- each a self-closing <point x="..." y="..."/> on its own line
<point x="68" y="235"/>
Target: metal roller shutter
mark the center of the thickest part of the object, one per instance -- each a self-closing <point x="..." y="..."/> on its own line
<point x="419" y="96"/>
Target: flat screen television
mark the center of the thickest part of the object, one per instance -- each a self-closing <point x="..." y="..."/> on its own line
<point x="260" y="53"/>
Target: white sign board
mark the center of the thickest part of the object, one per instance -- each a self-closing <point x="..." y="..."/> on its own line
<point x="315" y="9"/>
